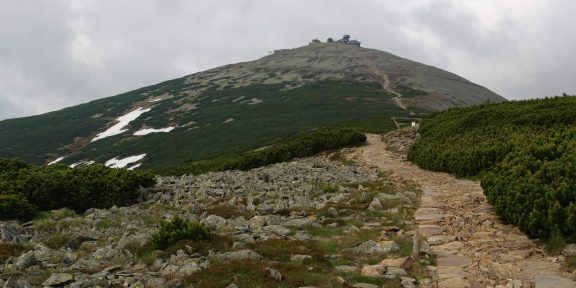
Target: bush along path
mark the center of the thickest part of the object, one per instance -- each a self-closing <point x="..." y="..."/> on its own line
<point x="473" y="248"/>
<point x="322" y="221"/>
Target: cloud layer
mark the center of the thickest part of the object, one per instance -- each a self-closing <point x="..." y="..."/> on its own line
<point x="60" y="53"/>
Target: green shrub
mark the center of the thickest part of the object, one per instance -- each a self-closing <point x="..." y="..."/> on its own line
<point x="58" y="186"/>
<point x="303" y="145"/>
<point x="16" y="207"/>
<point x="525" y="153"/>
<point x="171" y="232"/>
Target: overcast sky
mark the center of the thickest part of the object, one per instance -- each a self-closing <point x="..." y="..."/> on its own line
<point x="60" y="53"/>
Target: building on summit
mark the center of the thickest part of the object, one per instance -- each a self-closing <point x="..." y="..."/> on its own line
<point x="345" y="40"/>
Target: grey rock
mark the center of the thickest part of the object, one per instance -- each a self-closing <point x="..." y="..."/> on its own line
<point x="9" y="231"/>
<point x="408" y="282"/>
<point x="332" y="212"/>
<point x="246" y="254"/>
<point x="57" y="279"/>
<point x="300" y="258"/>
<point x="569" y="250"/>
<point x="26" y="260"/>
<point x="553" y="281"/>
<point x="277" y="230"/>
<point x="232" y="286"/>
<point x="373" y="247"/>
<point x="347" y="269"/>
<point x="365" y="285"/>
<point x="213" y="221"/>
<point x="273" y="274"/>
<point x="394" y="272"/>
<point x="375" y="204"/>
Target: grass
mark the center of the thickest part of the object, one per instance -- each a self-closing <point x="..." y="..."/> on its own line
<point x="56" y="241"/>
<point x="12" y="250"/>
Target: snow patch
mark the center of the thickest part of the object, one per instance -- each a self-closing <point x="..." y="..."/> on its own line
<point x="123" y="121"/>
<point x="122" y="163"/>
<point x="81" y="163"/>
<point x="135" y="166"/>
<point x="57" y="160"/>
<point x="228" y="120"/>
<point x="152" y="130"/>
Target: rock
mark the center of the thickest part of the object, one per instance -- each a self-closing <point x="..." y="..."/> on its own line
<point x="246" y="254"/>
<point x="373" y="247"/>
<point x="347" y="269"/>
<point x="213" y="222"/>
<point x="57" y="279"/>
<point x="9" y="231"/>
<point x="332" y="212"/>
<point x="273" y="274"/>
<point x="375" y="204"/>
<point x="569" y="250"/>
<point x="408" y="282"/>
<point x="341" y="281"/>
<point x="553" y="281"/>
<point x="365" y="285"/>
<point x="300" y="258"/>
<point x="277" y="230"/>
<point x="373" y="270"/>
<point x="404" y="262"/>
<point x="514" y="284"/>
<point x="232" y="286"/>
<point x="394" y="272"/>
<point x="26" y="260"/>
<point x="424" y="248"/>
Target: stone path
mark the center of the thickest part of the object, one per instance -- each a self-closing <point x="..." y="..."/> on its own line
<point x="473" y="248"/>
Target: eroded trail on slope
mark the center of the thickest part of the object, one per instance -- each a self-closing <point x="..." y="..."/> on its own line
<point x="385" y="82"/>
<point x="473" y="247"/>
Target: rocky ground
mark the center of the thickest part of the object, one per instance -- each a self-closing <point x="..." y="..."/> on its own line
<point x="473" y="248"/>
<point x="317" y="222"/>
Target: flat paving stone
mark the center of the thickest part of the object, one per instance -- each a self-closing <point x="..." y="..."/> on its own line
<point x="553" y="281"/>
<point x="454" y="261"/>
<point x="430" y="230"/>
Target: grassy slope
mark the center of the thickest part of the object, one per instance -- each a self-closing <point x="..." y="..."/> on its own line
<point x="282" y="114"/>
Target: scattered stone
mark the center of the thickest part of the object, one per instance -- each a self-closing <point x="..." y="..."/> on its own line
<point x="569" y="250"/>
<point x="332" y="212"/>
<point x="364" y="285"/>
<point x="373" y="270"/>
<point x="246" y="254"/>
<point x="274" y="274"/>
<point x="347" y="269"/>
<point x="57" y="279"/>
<point x="373" y="247"/>
<point x="232" y="286"/>
<point x="26" y="260"/>
<point x="300" y="258"/>
<point x="404" y="262"/>
<point x="408" y="282"/>
<point x="375" y="204"/>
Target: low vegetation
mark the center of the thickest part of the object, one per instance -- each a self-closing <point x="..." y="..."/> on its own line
<point x="523" y="151"/>
<point x="26" y="189"/>
<point x="305" y="144"/>
<point x="176" y="230"/>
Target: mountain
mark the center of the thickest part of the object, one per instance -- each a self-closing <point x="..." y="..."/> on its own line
<point x="240" y="107"/>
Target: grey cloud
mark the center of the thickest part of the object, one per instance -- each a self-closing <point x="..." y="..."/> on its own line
<point x="60" y="53"/>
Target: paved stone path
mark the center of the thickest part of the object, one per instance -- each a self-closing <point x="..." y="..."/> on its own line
<point x="473" y="248"/>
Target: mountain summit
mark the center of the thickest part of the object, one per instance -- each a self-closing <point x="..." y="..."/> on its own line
<point x="241" y="107"/>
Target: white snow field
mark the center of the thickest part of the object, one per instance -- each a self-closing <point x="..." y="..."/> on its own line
<point x="57" y="160"/>
<point x="123" y="121"/>
<point x="122" y="163"/>
<point x="152" y="130"/>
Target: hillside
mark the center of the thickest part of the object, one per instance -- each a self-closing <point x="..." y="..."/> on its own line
<point x="240" y="107"/>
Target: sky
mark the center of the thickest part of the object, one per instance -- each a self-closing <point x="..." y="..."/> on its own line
<point x="60" y="53"/>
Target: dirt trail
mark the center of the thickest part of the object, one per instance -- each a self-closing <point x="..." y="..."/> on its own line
<point x="473" y="247"/>
<point x="386" y="83"/>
